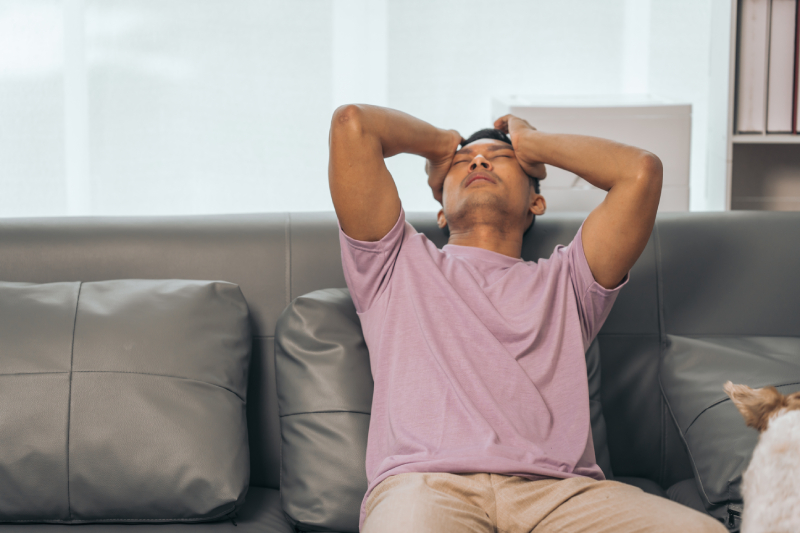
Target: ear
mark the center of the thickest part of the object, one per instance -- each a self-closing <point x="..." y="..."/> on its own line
<point x="792" y="401"/>
<point x="440" y="218"/>
<point x="756" y="405"/>
<point x="538" y="204"/>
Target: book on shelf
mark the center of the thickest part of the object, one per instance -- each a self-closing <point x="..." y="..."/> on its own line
<point x="767" y="77"/>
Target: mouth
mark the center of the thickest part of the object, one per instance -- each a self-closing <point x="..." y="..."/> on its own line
<point x="476" y="177"/>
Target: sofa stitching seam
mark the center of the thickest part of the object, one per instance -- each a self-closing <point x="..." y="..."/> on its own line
<point x="661" y="342"/>
<point x="33" y="373"/>
<point x="723" y="400"/>
<point x="698" y="480"/>
<point x="328" y="411"/>
<point x="135" y="520"/>
<point x="158" y="375"/>
<point x="69" y="395"/>
<point x="659" y="287"/>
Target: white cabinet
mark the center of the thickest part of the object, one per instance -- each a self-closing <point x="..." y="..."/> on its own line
<point x="661" y="127"/>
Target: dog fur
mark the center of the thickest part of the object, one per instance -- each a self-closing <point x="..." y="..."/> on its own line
<point x="771" y="483"/>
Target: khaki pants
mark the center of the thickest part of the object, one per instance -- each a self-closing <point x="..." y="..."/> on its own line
<point x="497" y="503"/>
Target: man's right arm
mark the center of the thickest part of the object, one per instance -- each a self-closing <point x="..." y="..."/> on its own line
<point x="364" y="194"/>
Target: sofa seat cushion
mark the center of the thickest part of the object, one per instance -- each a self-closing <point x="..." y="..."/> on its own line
<point x="693" y="370"/>
<point x="261" y="513"/>
<point x="685" y="492"/>
<point x="123" y="401"/>
<point x="647" y="485"/>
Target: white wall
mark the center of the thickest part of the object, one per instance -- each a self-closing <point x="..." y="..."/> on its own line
<point x="210" y="106"/>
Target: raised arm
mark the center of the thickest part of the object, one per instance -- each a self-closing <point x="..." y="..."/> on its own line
<point x="615" y="232"/>
<point x="364" y="194"/>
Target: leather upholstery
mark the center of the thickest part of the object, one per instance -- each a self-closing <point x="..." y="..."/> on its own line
<point x="261" y="513"/>
<point x="320" y="348"/>
<point x="122" y="401"/>
<point x="700" y="273"/>
<point x="251" y="251"/>
<point x="693" y="370"/>
<point x="685" y="492"/>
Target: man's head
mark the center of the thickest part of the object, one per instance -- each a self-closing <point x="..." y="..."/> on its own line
<point x="487" y="185"/>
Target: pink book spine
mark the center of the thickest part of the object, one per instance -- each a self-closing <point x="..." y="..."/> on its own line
<point x="796" y="65"/>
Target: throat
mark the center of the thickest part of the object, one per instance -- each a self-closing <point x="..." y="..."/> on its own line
<point x="505" y="244"/>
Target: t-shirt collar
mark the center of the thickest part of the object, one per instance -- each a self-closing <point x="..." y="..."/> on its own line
<point x="482" y="254"/>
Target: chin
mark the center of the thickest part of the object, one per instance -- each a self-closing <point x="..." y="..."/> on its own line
<point x="480" y="211"/>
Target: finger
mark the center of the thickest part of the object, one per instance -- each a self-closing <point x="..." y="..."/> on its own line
<point x="460" y="140"/>
<point x="515" y="123"/>
<point x="502" y="123"/>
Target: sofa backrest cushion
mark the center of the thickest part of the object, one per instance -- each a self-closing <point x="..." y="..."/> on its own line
<point x="693" y="370"/>
<point x="253" y="251"/>
<point x="123" y="401"/>
<point x="729" y="301"/>
<point x="325" y="391"/>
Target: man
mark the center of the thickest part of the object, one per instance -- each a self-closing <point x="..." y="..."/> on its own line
<point x="480" y="414"/>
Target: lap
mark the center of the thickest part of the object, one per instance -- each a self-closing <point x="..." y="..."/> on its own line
<point x="578" y="505"/>
<point x="430" y="502"/>
<point x="487" y="503"/>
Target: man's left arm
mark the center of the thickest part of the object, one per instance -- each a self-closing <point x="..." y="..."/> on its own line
<point x="615" y="232"/>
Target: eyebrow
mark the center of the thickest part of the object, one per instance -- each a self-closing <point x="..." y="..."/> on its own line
<point x="491" y="148"/>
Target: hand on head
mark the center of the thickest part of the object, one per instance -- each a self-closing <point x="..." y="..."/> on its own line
<point x="516" y="129"/>
<point x="437" y="169"/>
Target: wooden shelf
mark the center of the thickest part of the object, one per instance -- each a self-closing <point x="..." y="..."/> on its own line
<point x="763" y="168"/>
<point x="770" y="138"/>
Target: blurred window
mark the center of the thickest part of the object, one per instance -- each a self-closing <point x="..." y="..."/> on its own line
<point x="140" y="107"/>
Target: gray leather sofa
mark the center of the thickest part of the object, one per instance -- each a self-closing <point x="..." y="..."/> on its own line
<point x="729" y="273"/>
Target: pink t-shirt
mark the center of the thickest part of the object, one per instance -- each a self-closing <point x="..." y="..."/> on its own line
<point x="478" y="358"/>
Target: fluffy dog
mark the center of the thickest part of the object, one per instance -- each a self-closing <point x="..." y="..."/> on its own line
<point x="771" y="483"/>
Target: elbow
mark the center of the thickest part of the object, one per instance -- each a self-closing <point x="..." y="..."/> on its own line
<point x="650" y="172"/>
<point x="650" y="168"/>
<point x="347" y="120"/>
<point x="649" y="180"/>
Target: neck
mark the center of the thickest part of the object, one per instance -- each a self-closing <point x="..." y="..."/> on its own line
<point x="489" y="238"/>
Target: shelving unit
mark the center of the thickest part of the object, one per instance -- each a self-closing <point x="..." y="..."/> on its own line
<point x="763" y="170"/>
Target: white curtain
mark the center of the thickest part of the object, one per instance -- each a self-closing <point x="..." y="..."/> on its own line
<point x="139" y="107"/>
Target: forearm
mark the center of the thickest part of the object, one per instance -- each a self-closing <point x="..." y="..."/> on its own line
<point x="397" y="132"/>
<point x="601" y="162"/>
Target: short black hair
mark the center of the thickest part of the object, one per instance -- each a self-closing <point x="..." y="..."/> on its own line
<point x="487" y="133"/>
<point x="491" y="133"/>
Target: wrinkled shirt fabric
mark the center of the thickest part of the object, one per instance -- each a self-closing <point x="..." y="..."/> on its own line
<point x="478" y="358"/>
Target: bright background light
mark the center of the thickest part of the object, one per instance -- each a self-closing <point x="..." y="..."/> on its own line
<point x="139" y="107"/>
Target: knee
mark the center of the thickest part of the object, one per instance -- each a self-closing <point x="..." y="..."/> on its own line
<point x="403" y="511"/>
<point x="398" y="508"/>
<point x="413" y="505"/>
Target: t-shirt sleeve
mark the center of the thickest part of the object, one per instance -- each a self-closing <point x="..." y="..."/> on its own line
<point x="594" y="300"/>
<point x="369" y="265"/>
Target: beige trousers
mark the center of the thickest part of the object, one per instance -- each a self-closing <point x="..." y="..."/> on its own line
<point x="497" y="503"/>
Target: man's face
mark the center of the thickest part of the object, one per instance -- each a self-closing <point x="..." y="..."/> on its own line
<point x="486" y="185"/>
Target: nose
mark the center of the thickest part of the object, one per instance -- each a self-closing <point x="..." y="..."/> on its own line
<point x="479" y="160"/>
